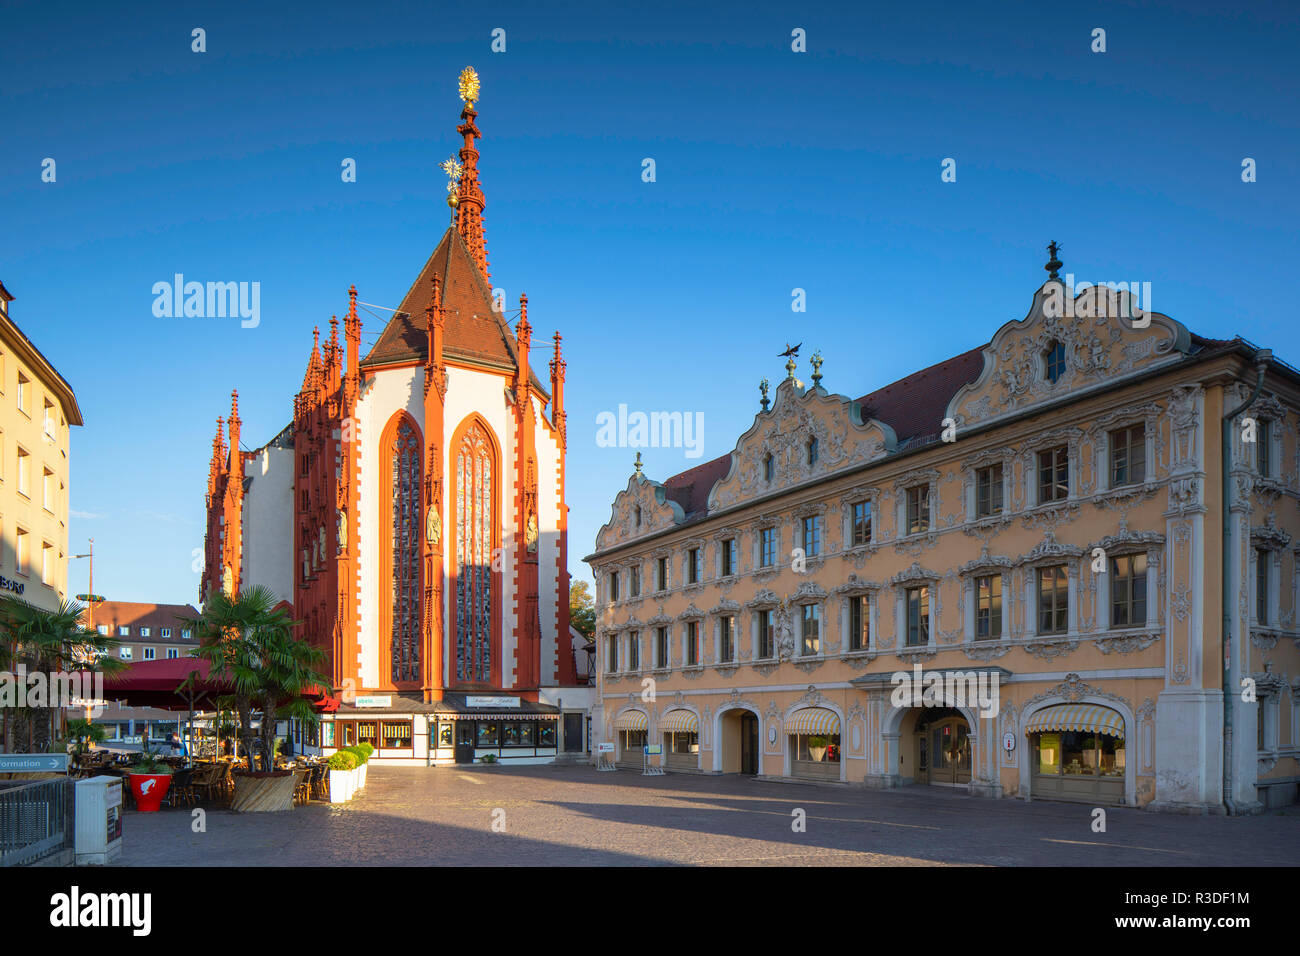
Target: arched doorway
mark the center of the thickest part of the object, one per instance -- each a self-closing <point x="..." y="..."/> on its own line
<point x="943" y="747"/>
<point x="737" y="742"/>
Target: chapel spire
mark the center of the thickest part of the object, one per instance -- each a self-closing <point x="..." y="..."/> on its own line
<point x="469" y="201"/>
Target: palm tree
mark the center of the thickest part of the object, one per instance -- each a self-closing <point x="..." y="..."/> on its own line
<point x="48" y="641"/>
<point x="250" y="641"/>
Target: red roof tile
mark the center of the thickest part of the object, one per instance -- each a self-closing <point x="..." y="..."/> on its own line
<point x="914" y="406"/>
<point x="691" y="488"/>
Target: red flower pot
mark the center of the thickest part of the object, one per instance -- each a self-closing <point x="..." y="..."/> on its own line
<point x="149" y="790"/>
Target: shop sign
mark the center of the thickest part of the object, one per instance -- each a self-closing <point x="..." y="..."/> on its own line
<point x="654" y="750"/>
<point x="373" y="700"/>
<point x="491" y="701"/>
<point x="1008" y="741"/>
<point x="604" y="748"/>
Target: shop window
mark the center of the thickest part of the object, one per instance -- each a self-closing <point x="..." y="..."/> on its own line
<point x="818" y="749"/>
<point x="327" y="734"/>
<point x="546" y="733"/>
<point x="517" y="733"/>
<point x="682" y="743"/>
<point x="1078" y="754"/>
<point x="488" y="734"/>
<point x="396" y="734"/>
<point x="632" y="742"/>
<point x="445" y="731"/>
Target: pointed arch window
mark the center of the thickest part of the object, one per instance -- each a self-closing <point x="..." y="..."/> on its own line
<point x="475" y="525"/>
<point x="404" y="467"/>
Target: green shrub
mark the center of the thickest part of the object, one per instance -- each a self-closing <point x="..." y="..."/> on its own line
<point x="366" y="749"/>
<point x="356" y="752"/>
<point x="343" y="760"/>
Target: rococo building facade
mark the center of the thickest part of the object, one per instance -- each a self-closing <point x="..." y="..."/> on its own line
<point x="1042" y="522"/>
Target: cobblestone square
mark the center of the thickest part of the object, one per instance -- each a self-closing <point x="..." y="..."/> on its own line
<point x="577" y="816"/>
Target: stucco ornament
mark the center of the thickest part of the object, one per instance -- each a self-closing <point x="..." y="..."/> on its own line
<point x="784" y="633"/>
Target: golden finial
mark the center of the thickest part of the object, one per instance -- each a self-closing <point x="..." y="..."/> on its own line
<point x="469" y="86"/>
<point x="453" y="171"/>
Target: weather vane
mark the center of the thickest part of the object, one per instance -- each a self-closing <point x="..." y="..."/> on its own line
<point x="469" y="87"/>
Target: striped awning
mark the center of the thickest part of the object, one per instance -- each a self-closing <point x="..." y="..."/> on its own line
<point x="679" y="722"/>
<point x="632" y="720"/>
<point x="813" y="720"/>
<point x="1090" y="718"/>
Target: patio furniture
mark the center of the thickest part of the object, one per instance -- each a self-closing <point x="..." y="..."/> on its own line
<point x="301" y="787"/>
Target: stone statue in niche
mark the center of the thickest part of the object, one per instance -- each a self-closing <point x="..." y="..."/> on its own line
<point x="343" y="531"/>
<point x="784" y="634"/>
<point x="432" y="526"/>
<point x="228" y="581"/>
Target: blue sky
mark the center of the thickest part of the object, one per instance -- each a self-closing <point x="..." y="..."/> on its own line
<point x="775" y="170"/>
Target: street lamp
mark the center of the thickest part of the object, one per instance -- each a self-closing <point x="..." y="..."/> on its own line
<point x="92" y="598"/>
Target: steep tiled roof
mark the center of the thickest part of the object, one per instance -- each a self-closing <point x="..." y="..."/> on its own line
<point x="474" y="333"/>
<point x="913" y="406"/>
<point x="691" y="488"/>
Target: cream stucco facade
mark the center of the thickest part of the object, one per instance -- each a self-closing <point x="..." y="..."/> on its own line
<point x="1055" y="532"/>
<point x="37" y="410"/>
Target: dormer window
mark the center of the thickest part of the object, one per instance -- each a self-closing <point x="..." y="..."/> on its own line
<point x="812" y="452"/>
<point x="1054" y="361"/>
<point x="768" y="467"/>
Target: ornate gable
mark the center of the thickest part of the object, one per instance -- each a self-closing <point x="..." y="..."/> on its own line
<point x="657" y="511"/>
<point x="798" y="415"/>
<point x="1097" y="346"/>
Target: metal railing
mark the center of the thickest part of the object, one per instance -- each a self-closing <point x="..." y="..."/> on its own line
<point x="36" y="821"/>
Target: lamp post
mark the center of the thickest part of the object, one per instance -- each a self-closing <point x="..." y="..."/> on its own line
<point x="91" y="598"/>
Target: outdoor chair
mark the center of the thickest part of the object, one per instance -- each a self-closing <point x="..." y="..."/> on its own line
<point x="182" y="789"/>
<point x="301" y="786"/>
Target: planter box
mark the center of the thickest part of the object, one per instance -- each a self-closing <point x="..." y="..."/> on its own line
<point x="361" y="775"/>
<point x="342" y="785"/>
<point x="149" y="790"/>
<point x="263" y="792"/>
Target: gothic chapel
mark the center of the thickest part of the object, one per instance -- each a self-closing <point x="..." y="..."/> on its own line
<point x="413" y="515"/>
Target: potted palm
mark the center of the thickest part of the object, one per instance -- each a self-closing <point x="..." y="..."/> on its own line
<point x="150" y="779"/>
<point x="250" y="640"/>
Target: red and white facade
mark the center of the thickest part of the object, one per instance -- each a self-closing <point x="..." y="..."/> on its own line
<point x="420" y="533"/>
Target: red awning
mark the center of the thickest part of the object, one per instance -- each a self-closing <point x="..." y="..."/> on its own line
<point x="158" y="683"/>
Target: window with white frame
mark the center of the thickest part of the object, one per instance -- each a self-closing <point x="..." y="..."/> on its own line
<point x="988" y="491"/>
<point x="918" y="615"/>
<point x="728" y="557"/>
<point x="859" y="622"/>
<point x="166" y="632"/>
<point x="1053" y="474"/>
<point x="810" y="629"/>
<point x="1128" y="590"/>
<point x="767" y="547"/>
<point x="987" y="590"/>
<point x="766" y="635"/>
<point x="124" y="652"/>
<point x="918" y="509"/>
<point x="123" y="631"/>
<point x="861" y="523"/>
<point x="1053" y="599"/>
<point x="812" y="535"/>
<point x="173" y="653"/>
<point x="149" y="653"/>
<point x="1128" y="456"/>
